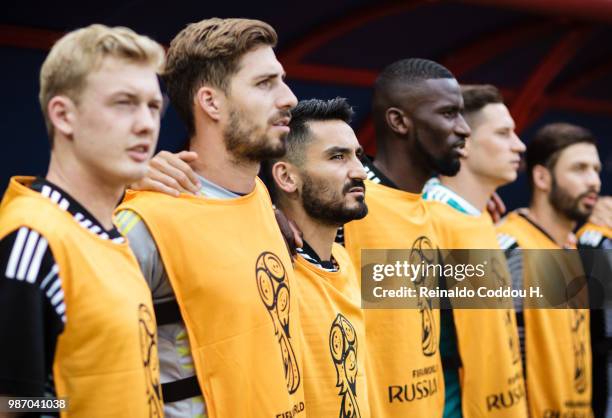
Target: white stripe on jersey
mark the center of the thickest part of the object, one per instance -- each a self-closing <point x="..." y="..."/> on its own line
<point x="46" y="191"/>
<point x="26" y="256"/>
<point x="58" y="297"/>
<point x="11" y="267"/>
<point x="49" y="276"/>
<point x="54" y="288"/>
<point x="95" y="229"/>
<point x="505" y="241"/>
<point x="86" y="223"/>
<point x="591" y="238"/>
<point x="64" y="204"/>
<point x="370" y="175"/>
<point x="55" y="196"/>
<point x="36" y="260"/>
<point x="24" y="264"/>
<point x="314" y="261"/>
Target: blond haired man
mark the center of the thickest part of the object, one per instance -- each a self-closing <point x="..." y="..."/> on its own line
<point x="217" y="264"/>
<point x="76" y="317"/>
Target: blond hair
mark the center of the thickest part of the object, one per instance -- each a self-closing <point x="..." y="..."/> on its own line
<point x="208" y="52"/>
<point x="82" y="51"/>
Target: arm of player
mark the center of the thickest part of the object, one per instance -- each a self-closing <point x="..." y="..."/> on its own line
<point x="170" y="174"/>
<point x="32" y="314"/>
<point x="144" y="248"/>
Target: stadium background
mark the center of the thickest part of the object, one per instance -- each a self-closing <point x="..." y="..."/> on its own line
<point x="552" y="59"/>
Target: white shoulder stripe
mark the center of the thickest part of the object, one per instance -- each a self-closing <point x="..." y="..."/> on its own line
<point x="36" y="260"/>
<point x="11" y="267"/>
<point x="57" y="285"/>
<point x="58" y="297"/>
<point x="26" y="256"/>
<point x="53" y="273"/>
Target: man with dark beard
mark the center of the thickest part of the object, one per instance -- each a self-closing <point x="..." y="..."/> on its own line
<point x="216" y="263"/>
<point x="420" y="130"/>
<point x="563" y="167"/>
<point x="319" y="184"/>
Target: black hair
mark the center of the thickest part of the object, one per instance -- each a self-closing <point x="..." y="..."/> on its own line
<point x="403" y="72"/>
<point x="313" y="110"/>
<point x="306" y="111"/>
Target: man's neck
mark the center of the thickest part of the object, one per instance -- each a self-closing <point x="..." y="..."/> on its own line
<point x="319" y="236"/>
<point x="555" y="224"/>
<point x="405" y="169"/>
<point x="476" y="190"/>
<point x="97" y="196"/>
<point x="216" y="164"/>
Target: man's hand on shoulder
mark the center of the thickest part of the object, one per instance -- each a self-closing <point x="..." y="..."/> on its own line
<point x="170" y="174"/>
<point x="602" y="213"/>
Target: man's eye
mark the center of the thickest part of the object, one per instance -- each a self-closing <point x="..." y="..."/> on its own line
<point x="264" y="83"/>
<point x="338" y="157"/>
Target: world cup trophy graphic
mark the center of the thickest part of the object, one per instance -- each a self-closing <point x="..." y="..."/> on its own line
<point x="148" y="350"/>
<point x="418" y="255"/>
<point x="343" y="348"/>
<point x="274" y="289"/>
<point x="578" y="328"/>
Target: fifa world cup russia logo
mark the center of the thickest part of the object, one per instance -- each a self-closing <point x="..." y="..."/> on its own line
<point x="343" y="348"/>
<point x="274" y="289"/>
<point x="579" y="343"/>
<point x="148" y="350"/>
<point x="422" y="252"/>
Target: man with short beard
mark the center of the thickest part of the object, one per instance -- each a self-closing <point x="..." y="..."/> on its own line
<point x="216" y="263"/>
<point x="563" y="167"/>
<point x="319" y="184"/>
<point x="420" y="131"/>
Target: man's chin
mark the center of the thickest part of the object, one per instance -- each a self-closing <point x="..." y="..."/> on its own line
<point x="356" y="211"/>
<point x="449" y="169"/>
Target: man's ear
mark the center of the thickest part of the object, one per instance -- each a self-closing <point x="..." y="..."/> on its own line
<point x="398" y="121"/>
<point x="542" y="178"/>
<point x="285" y="177"/>
<point x="210" y="100"/>
<point x="62" y="114"/>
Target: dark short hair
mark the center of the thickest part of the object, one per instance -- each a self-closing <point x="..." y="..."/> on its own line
<point x="308" y="111"/>
<point x="410" y="70"/>
<point x="477" y="96"/>
<point x="299" y="135"/>
<point x="550" y="140"/>
<point x="403" y="72"/>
